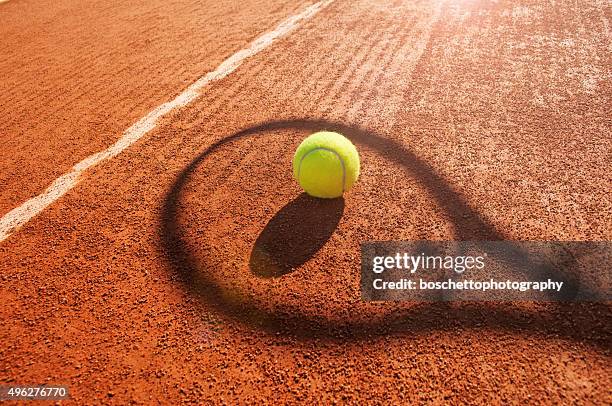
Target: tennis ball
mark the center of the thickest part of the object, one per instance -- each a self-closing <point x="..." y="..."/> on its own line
<point x="326" y="164"/>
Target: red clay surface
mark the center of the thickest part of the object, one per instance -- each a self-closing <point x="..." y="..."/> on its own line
<point x="76" y="74"/>
<point x="474" y="120"/>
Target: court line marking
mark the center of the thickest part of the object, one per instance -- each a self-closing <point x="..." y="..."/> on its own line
<point x="20" y="215"/>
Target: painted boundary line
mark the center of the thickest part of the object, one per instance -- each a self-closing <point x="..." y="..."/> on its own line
<point x="20" y="215"/>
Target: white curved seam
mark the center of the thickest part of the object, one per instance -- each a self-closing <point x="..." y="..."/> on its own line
<point x="324" y="149"/>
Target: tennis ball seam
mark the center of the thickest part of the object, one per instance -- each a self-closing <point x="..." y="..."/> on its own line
<point x="329" y="150"/>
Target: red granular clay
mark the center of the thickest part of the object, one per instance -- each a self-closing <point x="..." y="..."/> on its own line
<point x="191" y="268"/>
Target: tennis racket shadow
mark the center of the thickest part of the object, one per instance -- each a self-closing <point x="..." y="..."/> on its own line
<point x="587" y="323"/>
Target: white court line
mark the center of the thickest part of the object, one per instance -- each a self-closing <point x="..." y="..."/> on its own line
<point x="30" y="208"/>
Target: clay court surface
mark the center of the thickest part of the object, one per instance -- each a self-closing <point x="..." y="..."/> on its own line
<point x="147" y="281"/>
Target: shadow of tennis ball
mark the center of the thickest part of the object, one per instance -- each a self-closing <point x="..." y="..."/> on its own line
<point x="294" y="235"/>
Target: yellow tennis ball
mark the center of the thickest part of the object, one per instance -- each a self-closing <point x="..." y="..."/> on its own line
<point x="326" y="164"/>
